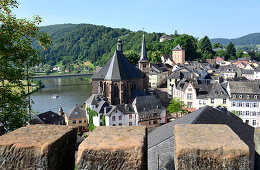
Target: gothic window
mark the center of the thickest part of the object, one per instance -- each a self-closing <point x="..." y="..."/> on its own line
<point x="133" y="87"/>
<point x="101" y="85"/>
<point x="116" y="91"/>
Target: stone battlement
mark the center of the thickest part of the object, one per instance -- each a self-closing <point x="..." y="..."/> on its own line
<point x="53" y="147"/>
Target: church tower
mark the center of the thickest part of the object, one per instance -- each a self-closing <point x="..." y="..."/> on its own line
<point x="144" y="64"/>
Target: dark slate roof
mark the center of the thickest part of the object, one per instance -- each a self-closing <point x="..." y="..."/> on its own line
<point x="76" y="112"/>
<point x="148" y="105"/>
<point x="247" y="71"/>
<point x="158" y="68"/>
<point x="118" y="68"/>
<point x="178" y="47"/>
<point x="219" y="91"/>
<point x="48" y="117"/>
<point x="100" y="106"/>
<point x="125" y="108"/>
<point x="143" y="57"/>
<point x="257" y="69"/>
<point x="109" y="109"/>
<point x="205" y="115"/>
<point x="93" y="99"/>
<point x="244" y="87"/>
<point x="136" y="93"/>
<point x="182" y="72"/>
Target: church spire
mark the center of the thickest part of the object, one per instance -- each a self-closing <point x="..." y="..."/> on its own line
<point x="143" y="57"/>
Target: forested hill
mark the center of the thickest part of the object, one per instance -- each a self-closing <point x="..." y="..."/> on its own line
<point x="245" y="40"/>
<point x="86" y="42"/>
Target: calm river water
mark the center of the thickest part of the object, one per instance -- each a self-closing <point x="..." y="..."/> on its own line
<point x="70" y="91"/>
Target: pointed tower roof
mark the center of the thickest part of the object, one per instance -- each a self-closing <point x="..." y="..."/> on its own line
<point x="118" y="68"/>
<point x="178" y="47"/>
<point x="143" y="57"/>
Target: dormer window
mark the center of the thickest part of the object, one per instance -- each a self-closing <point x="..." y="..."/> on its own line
<point x="247" y="96"/>
<point x="255" y="96"/>
<point x="234" y="96"/>
<point x="240" y="96"/>
<point x="221" y="93"/>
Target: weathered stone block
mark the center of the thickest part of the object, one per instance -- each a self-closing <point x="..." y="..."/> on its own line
<point x="38" y="147"/>
<point x="114" y="148"/>
<point x="257" y="148"/>
<point x="209" y="147"/>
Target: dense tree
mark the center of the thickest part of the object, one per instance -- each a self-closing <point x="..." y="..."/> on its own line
<point x="155" y="57"/>
<point x="239" y="54"/>
<point x="230" y="50"/>
<point x="204" y="45"/>
<point x="189" y="43"/>
<point x="217" y="45"/>
<point x="176" y="106"/>
<point x="16" y="56"/>
<point x="221" y="53"/>
<point x="132" y="56"/>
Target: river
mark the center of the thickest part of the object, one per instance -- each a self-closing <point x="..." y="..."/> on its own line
<point x="70" y="91"/>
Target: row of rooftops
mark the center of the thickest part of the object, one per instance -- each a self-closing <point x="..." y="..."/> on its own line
<point x="249" y="90"/>
<point x="149" y="104"/>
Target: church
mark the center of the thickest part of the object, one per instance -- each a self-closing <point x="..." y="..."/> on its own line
<point x="119" y="80"/>
<point x="120" y="93"/>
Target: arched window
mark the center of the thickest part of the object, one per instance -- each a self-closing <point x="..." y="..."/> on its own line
<point x="116" y="90"/>
<point x="133" y="86"/>
<point x="101" y="85"/>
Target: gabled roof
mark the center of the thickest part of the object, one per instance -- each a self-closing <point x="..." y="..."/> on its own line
<point x="218" y="91"/>
<point x="125" y="108"/>
<point x="178" y="47"/>
<point x="76" y="112"/>
<point x="48" y="117"/>
<point x="93" y="99"/>
<point x="118" y="68"/>
<point x="205" y="115"/>
<point x="146" y="105"/>
<point x="143" y="57"/>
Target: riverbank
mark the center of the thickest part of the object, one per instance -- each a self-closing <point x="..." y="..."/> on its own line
<point x="33" y="87"/>
<point x="63" y="75"/>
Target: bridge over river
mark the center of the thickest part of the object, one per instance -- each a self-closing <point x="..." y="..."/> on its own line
<point x="62" y="76"/>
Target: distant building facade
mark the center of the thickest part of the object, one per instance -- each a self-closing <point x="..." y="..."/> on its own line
<point x="77" y="118"/>
<point x="178" y="55"/>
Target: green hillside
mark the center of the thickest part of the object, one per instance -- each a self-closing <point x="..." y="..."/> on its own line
<point x="249" y="39"/>
<point x="86" y="42"/>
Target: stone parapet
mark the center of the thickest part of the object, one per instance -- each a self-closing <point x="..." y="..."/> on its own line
<point x="38" y="147"/>
<point x="257" y="148"/>
<point x="114" y="148"/>
<point x="201" y="146"/>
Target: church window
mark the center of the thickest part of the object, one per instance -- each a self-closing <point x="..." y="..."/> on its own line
<point x="133" y="87"/>
<point x="116" y="91"/>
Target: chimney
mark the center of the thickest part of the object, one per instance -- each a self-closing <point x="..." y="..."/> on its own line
<point x="119" y="45"/>
<point x="105" y="110"/>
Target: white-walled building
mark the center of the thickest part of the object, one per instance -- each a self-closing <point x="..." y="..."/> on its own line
<point x="145" y="110"/>
<point x="245" y="100"/>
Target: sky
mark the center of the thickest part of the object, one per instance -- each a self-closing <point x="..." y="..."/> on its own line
<point x="214" y="18"/>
